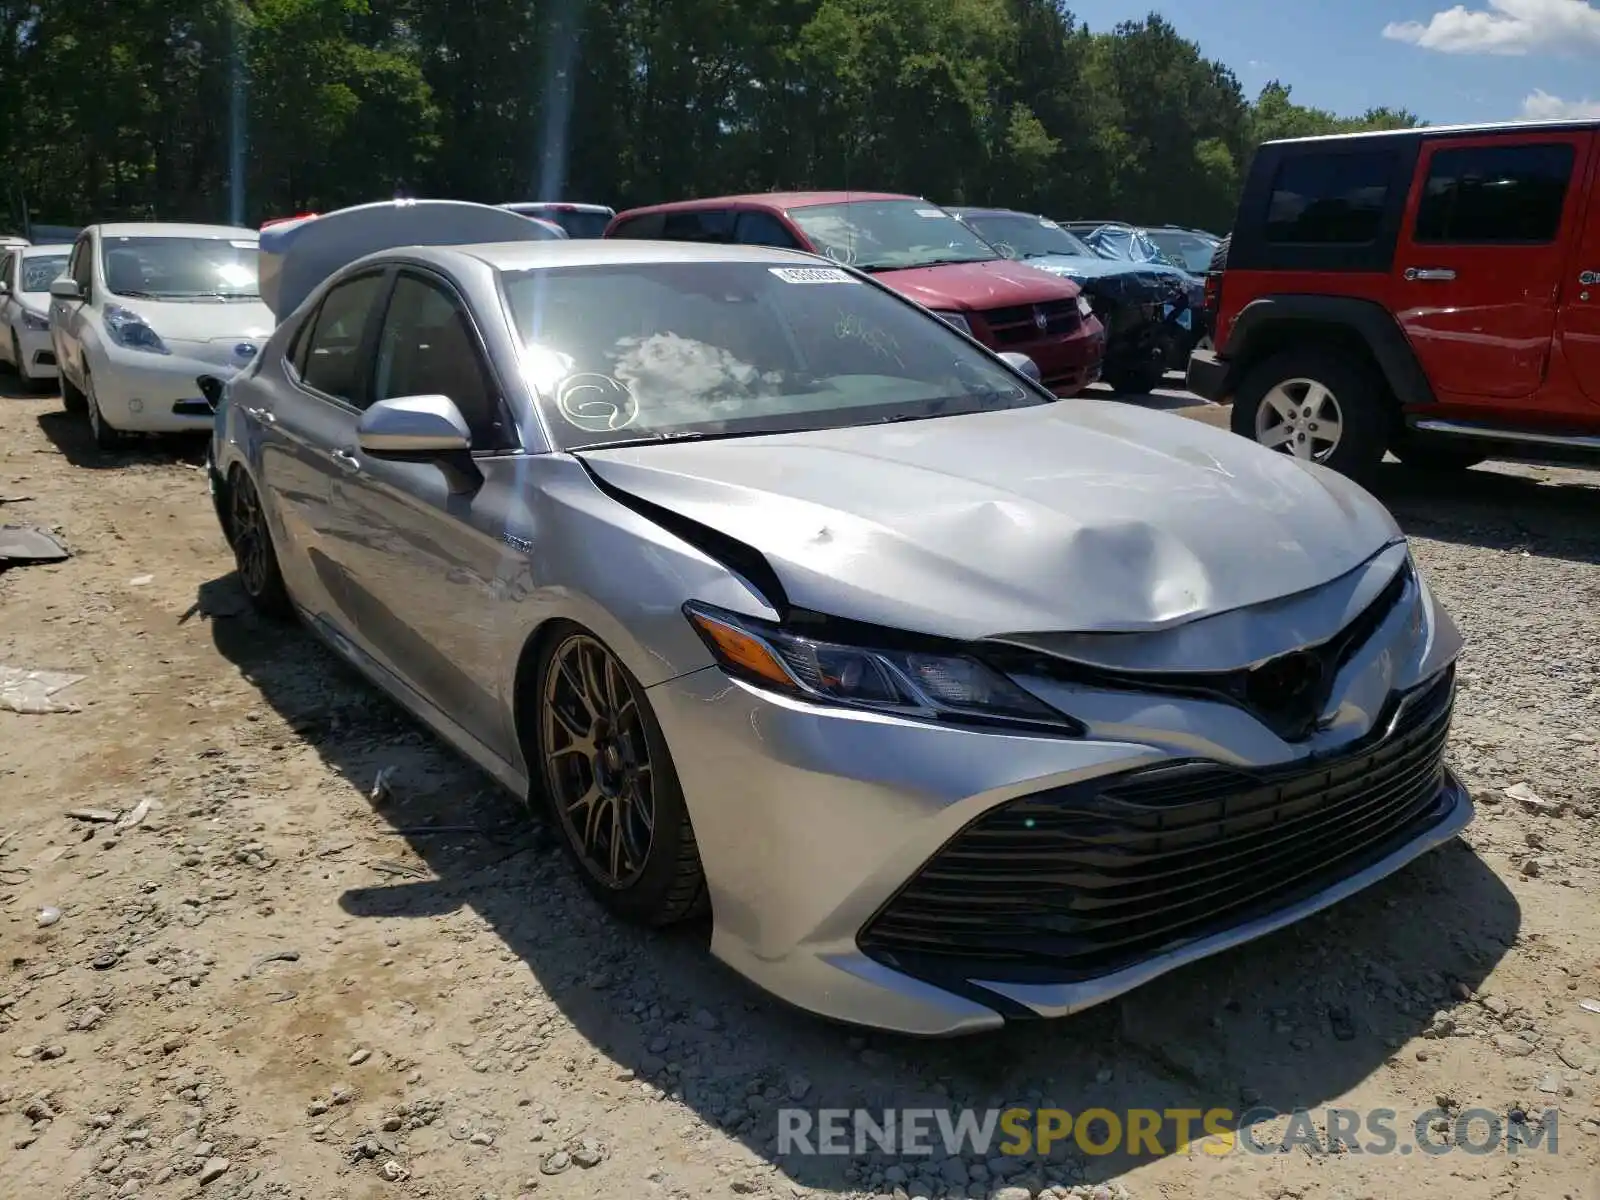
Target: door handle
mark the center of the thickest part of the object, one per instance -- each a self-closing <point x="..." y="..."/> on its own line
<point x="263" y="415"/>
<point x="1429" y="274"/>
<point x="347" y="460"/>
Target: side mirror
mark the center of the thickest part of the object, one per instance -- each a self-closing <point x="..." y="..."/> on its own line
<point x="421" y="429"/>
<point x="211" y="389"/>
<point x="66" y="288"/>
<point x="1022" y="364"/>
<point x="5" y="288"/>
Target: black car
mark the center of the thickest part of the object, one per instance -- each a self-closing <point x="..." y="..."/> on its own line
<point x="1148" y="309"/>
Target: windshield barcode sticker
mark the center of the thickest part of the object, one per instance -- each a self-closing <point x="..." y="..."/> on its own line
<point x="812" y="274"/>
<point x="241" y="244"/>
<point x="931" y="212"/>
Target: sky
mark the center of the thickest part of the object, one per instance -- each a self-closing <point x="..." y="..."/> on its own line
<point x="1481" y="60"/>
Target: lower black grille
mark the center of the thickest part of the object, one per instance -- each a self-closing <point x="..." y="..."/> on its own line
<point x="1083" y="880"/>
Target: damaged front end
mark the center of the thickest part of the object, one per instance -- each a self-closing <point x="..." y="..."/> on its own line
<point x="1150" y="323"/>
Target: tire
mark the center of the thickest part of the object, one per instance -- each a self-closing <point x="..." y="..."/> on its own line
<point x="1338" y="392"/>
<point x="255" y="558"/>
<point x="1135" y="379"/>
<point x="107" y="437"/>
<point x="27" y="381"/>
<point x="72" y="397"/>
<point x="654" y="878"/>
<point x="1436" y="456"/>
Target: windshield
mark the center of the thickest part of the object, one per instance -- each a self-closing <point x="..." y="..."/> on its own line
<point x="646" y="352"/>
<point x="886" y="235"/>
<point x="1191" y="251"/>
<point x="181" y="268"/>
<point x="39" y="271"/>
<point x="1017" y="235"/>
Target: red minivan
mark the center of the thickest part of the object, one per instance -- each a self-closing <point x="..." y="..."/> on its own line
<point x="920" y="251"/>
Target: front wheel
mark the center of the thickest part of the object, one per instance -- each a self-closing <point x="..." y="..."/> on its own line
<point x="610" y="785"/>
<point x="72" y="397"/>
<point x="1317" y="406"/>
<point x="107" y="437"/>
<point x="254" y="556"/>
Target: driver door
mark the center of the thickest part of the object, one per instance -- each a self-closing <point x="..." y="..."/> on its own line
<point x="423" y="565"/>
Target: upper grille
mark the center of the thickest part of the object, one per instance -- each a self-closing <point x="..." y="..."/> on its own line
<point x="1083" y="880"/>
<point x="1019" y="325"/>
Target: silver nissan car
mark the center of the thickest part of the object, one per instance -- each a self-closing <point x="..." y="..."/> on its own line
<point x="950" y="702"/>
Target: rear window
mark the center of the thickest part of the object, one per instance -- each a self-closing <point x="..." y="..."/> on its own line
<point x="1330" y="199"/>
<point x="1486" y="194"/>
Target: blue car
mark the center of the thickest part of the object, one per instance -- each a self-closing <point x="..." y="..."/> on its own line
<point x="1152" y="311"/>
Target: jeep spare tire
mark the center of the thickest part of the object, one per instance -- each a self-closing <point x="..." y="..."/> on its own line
<point x="1317" y="405"/>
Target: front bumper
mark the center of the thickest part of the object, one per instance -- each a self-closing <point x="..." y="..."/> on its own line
<point x="814" y="826"/>
<point x="1208" y="376"/>
<point x="142" y="392"/>
<point x="38" y="354"/>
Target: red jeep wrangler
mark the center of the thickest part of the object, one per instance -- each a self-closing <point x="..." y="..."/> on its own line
<point x="1431" y="292"/>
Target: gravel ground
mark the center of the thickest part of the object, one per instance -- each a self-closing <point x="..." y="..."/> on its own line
<point x="230" y="969"/>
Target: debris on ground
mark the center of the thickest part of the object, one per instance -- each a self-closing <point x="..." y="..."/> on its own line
<point x="24" y="545"/>
<point x="33" y="692"/>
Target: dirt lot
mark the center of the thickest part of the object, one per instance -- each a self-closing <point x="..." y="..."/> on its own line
<point x="270" y="984"/>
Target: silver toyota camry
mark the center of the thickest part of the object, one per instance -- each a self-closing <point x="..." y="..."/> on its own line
<point x="950" y="702"/>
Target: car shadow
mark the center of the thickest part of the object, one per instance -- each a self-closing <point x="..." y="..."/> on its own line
<point x="69" y="433"/>
<point x="1547" y="512"/>
<point x="1291" y="1021"/>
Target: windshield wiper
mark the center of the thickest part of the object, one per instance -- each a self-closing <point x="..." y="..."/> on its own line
<point x="138" y="295"/>
<point x="683" y="436"/>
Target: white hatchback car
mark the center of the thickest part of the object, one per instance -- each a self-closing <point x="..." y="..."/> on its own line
<point x="26" y="273"/>
<point x="143" y="311"/>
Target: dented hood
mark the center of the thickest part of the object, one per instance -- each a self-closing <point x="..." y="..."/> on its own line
<point x="1078" y="516"/>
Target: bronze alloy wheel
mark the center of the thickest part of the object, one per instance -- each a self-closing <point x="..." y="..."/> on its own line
<point x="597" y="761"/>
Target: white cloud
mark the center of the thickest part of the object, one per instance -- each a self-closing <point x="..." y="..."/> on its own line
<point x="1542" y="106"/>
<point x="1511" y="27"/>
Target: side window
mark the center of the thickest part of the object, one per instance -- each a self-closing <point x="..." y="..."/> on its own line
<point x="646" y="226"/>
<point x="763" y="229"/>
<point x="81" y="267"/>
<point x="428" y="348"/>
<point x="699" y="225"/>
<point x="1495" y="194"/>
<point x="1330" y="198"/>
<point x="332" y="362"/>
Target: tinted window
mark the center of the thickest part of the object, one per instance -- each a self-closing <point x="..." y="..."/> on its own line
<point x="763" y="229"/>
<point x="1495" y="194"/>
<point x="647" y="226"/>
<point x="580" y="224"/>
<point x="181" y="267"/>
<point x="700" y="225"/>
<point x="39" y="271"/>
<point x="1330" y="198"/>
<point x="428" y="348"/>
<point x="333" y="353"/>
<point x="639" y="351"/>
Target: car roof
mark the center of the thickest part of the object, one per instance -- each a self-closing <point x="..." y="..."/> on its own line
<point x="1430" y="131"/>
<point x="586" y="252"/>
<point x="124" y="229"/>
<point x="49" y="248"/>
<point x="772" y="201"/>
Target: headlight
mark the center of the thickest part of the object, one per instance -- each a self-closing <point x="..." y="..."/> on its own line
<point x="127" y="328"/>
<point x="948" y="687"/>
<point x="1085" y="309"/>
<point x="956" y="319"/>
<point x="34" y="323"/>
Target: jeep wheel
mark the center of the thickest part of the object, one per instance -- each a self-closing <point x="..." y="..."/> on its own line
<point x="1136" y="378"/>
<point x="1436" y="456"/>
<point x="1316" y="406"/>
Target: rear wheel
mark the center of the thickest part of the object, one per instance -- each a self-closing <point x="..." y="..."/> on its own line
<point x="253" y="553"/>
<point x="610" y="784"/>
<point x="106" y="435"/>
<point x="1318" y="406"/>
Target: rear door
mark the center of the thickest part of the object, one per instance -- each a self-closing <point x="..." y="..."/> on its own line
<point x="1579" y="322"/>
<point x="1481" y="259"/>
